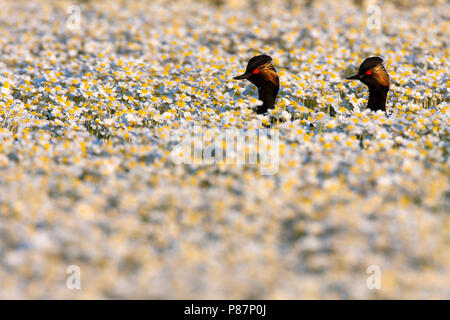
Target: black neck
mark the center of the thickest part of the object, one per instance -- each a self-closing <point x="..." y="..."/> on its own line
<point x="377" y="99"/>
<point x="268" y="96"/>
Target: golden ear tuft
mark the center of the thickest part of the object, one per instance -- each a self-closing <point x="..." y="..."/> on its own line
<point x="268" y="72"/>
<point x="380" y="74"/>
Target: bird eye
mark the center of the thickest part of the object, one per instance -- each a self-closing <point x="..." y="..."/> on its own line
<point x="256" y="71"/>
<point x="368" y="72"/>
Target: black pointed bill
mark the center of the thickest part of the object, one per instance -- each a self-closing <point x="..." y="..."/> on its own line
<point x="242" y="76"/>
<point x="355" y="77"/>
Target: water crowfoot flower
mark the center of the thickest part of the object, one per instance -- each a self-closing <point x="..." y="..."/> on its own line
<point x="90" y="120"/>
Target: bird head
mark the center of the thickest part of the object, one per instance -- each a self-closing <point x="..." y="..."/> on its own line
<point x="261" y="72"/>
<point x="372" y="73"/>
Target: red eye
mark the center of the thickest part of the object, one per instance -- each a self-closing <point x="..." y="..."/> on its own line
<point x="256" y="71"/>
<point x="368" y="72"/>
